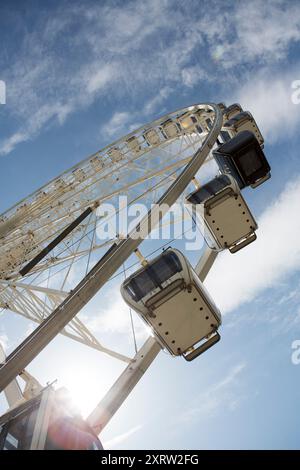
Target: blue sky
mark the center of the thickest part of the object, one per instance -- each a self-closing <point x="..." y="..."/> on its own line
<point x="79" y="75"/>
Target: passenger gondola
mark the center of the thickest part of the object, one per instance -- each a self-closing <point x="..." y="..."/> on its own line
<point x="232" y="111"/>
<point x="228" y="222"/>
<point x="171" y="299"/>
<point x="244" y="159"/>
<point x="243" y="121"/>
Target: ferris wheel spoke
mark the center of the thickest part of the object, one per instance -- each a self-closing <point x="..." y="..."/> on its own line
<point x="54" y="260"/>
<point x="142" y="180"/>
<point x="74" y="253"/>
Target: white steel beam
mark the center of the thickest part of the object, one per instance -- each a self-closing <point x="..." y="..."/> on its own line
<point x="12" y="392"/>
<point x="120" y="390"/>
<point x="205" y="263"/>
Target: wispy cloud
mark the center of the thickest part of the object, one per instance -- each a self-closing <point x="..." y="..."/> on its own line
<point x="154" y="48"/>
<point x="123" y="121"/>
<point x="221" y="394"/>
<point x="268" y="96"/>
<point x="156" y="101"/>
<point x="116" y="124"/>
<point x="255" y="31"/>
<point x="114" y="317"/>
<point x="116" y="441"/>
<point x="34" y="124"/>
<point x="290" y="296"/>
<point x="274" y="256"/>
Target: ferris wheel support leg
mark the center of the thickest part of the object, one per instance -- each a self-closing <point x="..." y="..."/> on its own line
<point x="205" y="263"/>
<point x="125" y="383"/>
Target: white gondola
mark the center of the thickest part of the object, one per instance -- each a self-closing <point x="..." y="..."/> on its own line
<point x="232" y="111"/>
<point x="152" y="137"/>
<point x="115" y="154"/>
<point x="228" y="222"/>
<point x="205" y="119"/>
<point x="171" y="299"/>
<point x="189" y="123"/>
<point x="134" y="145"/>
<point x="79" y="174"/>
<point x="97" y="163"/>
<point x="170" y="129"/>
<point x="244" y="159"/>
<point x="241" y="122"/>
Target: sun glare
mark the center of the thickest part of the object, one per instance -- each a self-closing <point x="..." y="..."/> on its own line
<point x="85" y="392"/>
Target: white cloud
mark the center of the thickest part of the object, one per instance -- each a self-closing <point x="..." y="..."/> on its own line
<point x="289" y="296"/>
<point x="115" y="441"/>
<point x="221" y="394"/>
<point x="157" y="100"/>
<point x="266" y="28"/>
<point x="285" y="322"/>
<point x="238" y="278"/>
<point x="193" y="75"/>
<point x="260" y="31"/>
<point x="114" y="317"/>
<point x="116" y="125"/>
<point x="34" y="124"/>
<point x="123" y="122"/>
<point x="8" y="144"/>
<point x="99" y="79"/>
<point x="152" y="45"/>
<point x="269" y="99"/>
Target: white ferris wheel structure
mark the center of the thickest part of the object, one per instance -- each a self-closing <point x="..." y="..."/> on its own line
<point x="53" y="231"/>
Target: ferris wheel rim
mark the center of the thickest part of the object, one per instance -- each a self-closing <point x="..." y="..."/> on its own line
<point x="103" y="150"/>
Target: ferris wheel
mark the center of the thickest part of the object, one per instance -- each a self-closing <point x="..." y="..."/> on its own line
<point x="142" y="165"/>
<point x="51" y="260"/>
